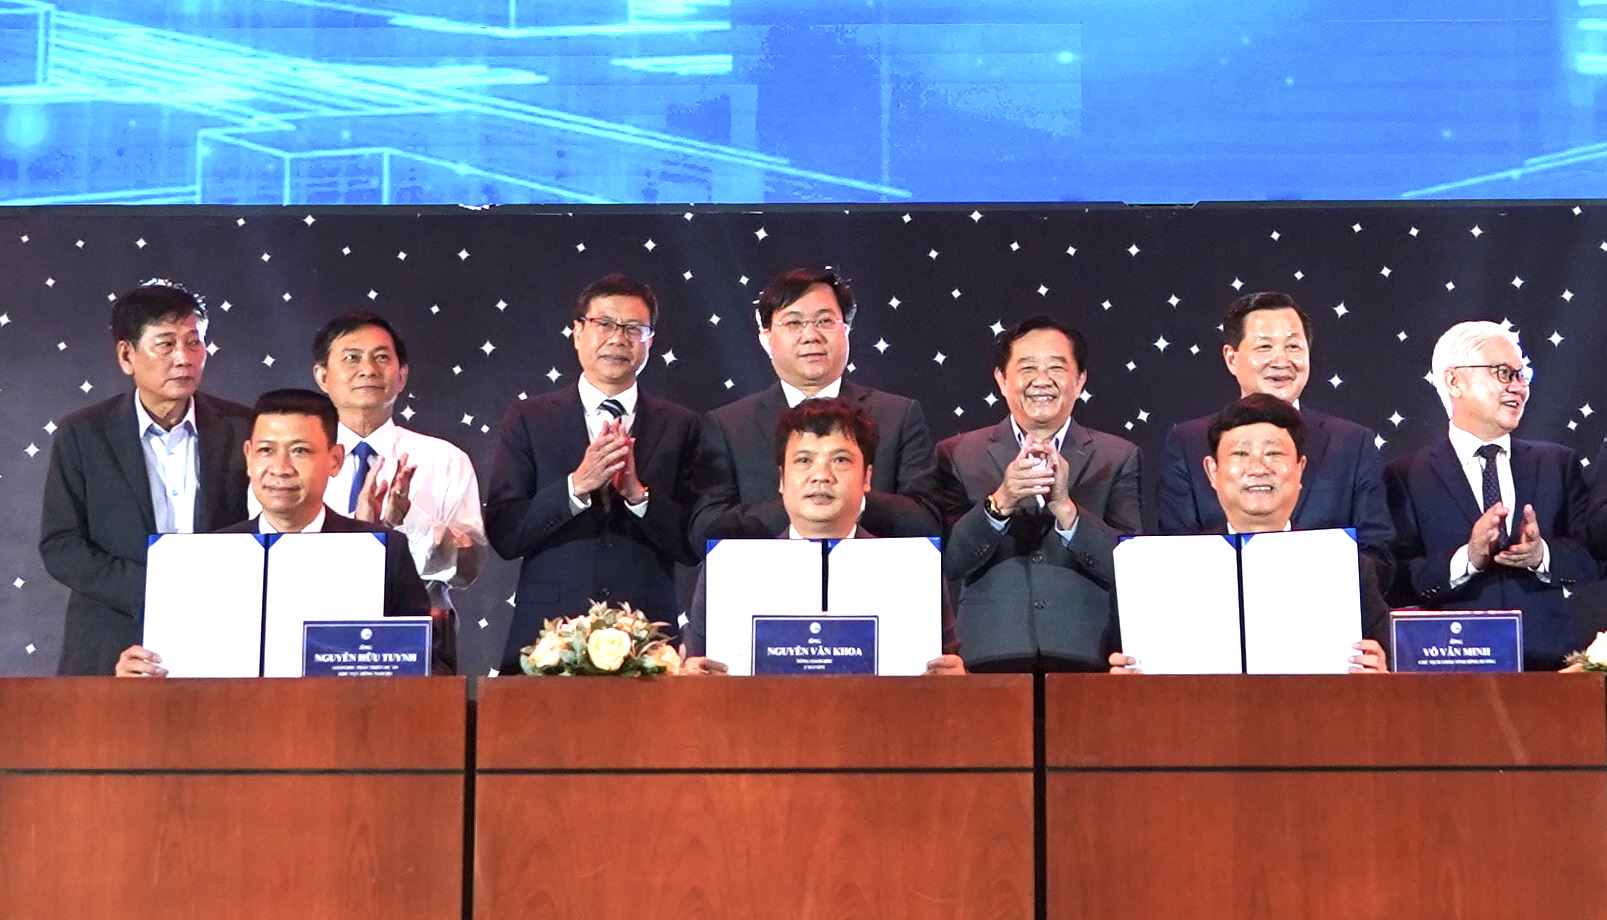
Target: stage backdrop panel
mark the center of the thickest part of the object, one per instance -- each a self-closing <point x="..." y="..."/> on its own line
<point x="484" y="299"/>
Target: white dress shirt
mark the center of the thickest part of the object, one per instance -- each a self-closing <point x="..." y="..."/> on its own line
<point x="1466" y="446"/>
<point x="171" y="462"/>
<point x="316" y="525"/>
<point x="591" y="399"/>
<point x="795" y="396"/>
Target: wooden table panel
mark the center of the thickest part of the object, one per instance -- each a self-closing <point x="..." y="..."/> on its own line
<point x="737" y="723"/>
<point x="922" y="846"/>
<point x="106" y="723"/>
<point x="1275" y="845"/>
<point x="204" y="847"/>
<point x="1332" y="720"/>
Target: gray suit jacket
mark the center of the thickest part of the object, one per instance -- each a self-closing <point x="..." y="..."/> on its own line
<point x="1024" y="591"/>
<point x="97" y="517"/>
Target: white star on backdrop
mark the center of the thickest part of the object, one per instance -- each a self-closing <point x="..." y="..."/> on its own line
<point x="1133" y="250"/>
<point x="1556" y="338"/>
<point x="1043" y="289"/>
<point x="1396" y="418"/>
<point x="1355" y="228"/>
<point x="975" y="216"/>
<point x="31" y="450"/>
<point x="50" y="427"/>
<point x="140" y="243"/>
<point x="1412" y="232"/>
<point x="266" y="257"/>
<point x="1340" y="310"/>
<point x="669" y="357"/>
<point x="345" y="250"/>
<point x="468" y="419"/>
<point x="309" y="220"/>
<point x="1384" y="271"/>
<point x="553" y="375"/>
<point x="1174" y="301"/>
<point x="940" y="357"/>
<point x="1567" y="295"/>
<point x="894" y="302"/>
<point x="401" y="256"/>
<point x="488" y="348"/>
<point x="714" y="319"/>
<point x="1585" y="410"/>
<point x="650" y="245"/>
<point x="1236" y="284"/>
<point x="881" y="346"/>
<point x="760" y="234"/>
<point x="580" y="247"/>
<point x="1335" y="381"/>
<point x="1161" y="343"/>
<point x="997" y="328"/>
<point x="86" y="386"/>
<point x="1450" y="285"/>
<point x="407" y="414"/>
<point x="267" y="360"/>
<point x="990" y="399"/>
<point x="1276" y="236"/>
<point x="1516" y="282"/>
<point x="932" y="254"/>
<point x="1379" y="442"/>
<point x="502" y="306"/>
<point x="1476" y="231"/>
<point x="1106" y="304"/>
<point x="463" y="255"/>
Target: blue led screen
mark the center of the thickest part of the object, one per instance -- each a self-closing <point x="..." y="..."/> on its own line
<point x="762" y="101"/>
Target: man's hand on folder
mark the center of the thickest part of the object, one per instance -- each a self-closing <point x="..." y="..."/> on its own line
<point x="139" y="661"/>
<point x="700" y="665"/>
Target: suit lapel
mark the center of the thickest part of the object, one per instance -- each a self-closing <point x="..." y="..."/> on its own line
<point x="647" y="430"/>
<point x="1002" y="448"/>
<point x="1317" y="437"/>
<point x="212" y="461"/>
<point x="122" y="435"/>
<point x="1525" y="482"/>
<point x="1443" y="460"/>
<point x="1078" y="450"/>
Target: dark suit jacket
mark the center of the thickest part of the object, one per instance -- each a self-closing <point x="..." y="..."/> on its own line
<point x="739" y="491"/>
<point x="1343" y="485"/>
<point x="405" y="594"/>
<point x="1023" y="592"/>
<point x="97" y="517"/>
<point x="605" y="553"/>
<point x="1434" y="510"/>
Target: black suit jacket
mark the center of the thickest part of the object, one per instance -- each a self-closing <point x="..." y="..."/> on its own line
<point x="97" y="517"/>
<point x="1024" y="593"/>
<point x="1434" y="510"/>
<point x="405" y="594"/>
<point x="1343" y="485"/>
<point x="739" y="485"/>
<point x="606" y="552"/>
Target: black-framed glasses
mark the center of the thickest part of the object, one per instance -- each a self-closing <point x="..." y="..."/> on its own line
<point x="640" y="332"/>
<point x="1505" y="373"/>
<point x="825" y="324"/>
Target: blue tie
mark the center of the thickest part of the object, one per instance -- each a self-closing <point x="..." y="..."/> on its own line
<point x="613" y="407"/>
<point x="364" y="453"/>
<point x="1492" y="483"/>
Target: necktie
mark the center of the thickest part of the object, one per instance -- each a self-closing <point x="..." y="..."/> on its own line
<point x="613" y="407"/>
<point x="364" y="453"/>
<point x="1491" y="484"/>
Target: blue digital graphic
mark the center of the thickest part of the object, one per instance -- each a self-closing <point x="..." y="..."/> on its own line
<point x="482" y="102"/>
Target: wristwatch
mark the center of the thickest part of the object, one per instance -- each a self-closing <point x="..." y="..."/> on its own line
<point x="991" y="507"/>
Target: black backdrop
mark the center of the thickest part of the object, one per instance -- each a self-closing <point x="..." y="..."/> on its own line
<point x="483" y="297"/>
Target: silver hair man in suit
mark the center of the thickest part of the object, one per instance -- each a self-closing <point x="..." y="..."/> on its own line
<point x="1035" y="506"/>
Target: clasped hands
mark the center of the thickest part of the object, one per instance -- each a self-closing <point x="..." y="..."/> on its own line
<point x="1527" y="551"/>
<point x="1037" y="470"/>
<point x="386" y="502"/>
<point x="610" y="459"/>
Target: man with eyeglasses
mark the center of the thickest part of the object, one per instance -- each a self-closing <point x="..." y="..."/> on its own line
<point x="589" y="483"/>
<point x="1267" y="348"/>
<point x="804" y="320"/>
<point x="1483" y="520"/>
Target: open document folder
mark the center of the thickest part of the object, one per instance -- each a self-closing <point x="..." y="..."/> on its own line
<point x="234" y="604"/>
<point x="1267" y="603"/>
<point x="785" y="606"/>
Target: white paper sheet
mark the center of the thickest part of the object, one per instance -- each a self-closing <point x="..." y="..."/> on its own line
<point x="318" y="576"/>
<point x="1178" y="602"/>
<point x="900" y="582"/>
<point x="1302" y="602"/>
<point x="203" y="604"/>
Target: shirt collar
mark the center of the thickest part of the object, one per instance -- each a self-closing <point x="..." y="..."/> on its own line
<point x="796" y="396"/>
<point x="591" y="397"/>
<point x="382" y="439"/>
<point x="1287" y="526"/>
<point x="793" y="534"/>
<point x="146" y="421"/>
<point x="1465" y="443"/>
<point x="316" y="526"/>
<point x="1059" y="440"/>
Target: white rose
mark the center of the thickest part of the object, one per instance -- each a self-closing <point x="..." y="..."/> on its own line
<point x="1597" y="653"/>
<point x="608" y="648"/>
<point x="548" y="652"/>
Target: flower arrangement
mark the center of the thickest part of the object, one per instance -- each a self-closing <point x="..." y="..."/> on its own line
<point x="1593" y="658"/>
<point x="603" y="640"/>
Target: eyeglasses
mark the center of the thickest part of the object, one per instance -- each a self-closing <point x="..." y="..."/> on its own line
<point x="825" y="324"/>
<point x="640" y="332"/>
<point x="1505" y="373"/>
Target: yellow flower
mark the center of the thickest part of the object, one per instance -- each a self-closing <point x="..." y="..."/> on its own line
<point x="608" y="648"/>
<point x="547" y="652"/>
<point x="1597" y="653"/>
<point x="666" y="656"/>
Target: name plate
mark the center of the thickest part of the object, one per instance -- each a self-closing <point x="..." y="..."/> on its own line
<point x="1465" y="640"/>
<point x="814" y="645"/>
<point x="392" y="647"/>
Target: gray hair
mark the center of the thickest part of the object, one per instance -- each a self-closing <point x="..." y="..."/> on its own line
<point x="1460" y="346"/>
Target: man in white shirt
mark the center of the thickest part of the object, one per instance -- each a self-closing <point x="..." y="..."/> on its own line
<point x="1483" y="520"/>
<point x="421" y="486"/>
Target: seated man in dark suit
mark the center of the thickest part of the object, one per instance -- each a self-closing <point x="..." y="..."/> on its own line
<point x="805" y="317"/>
<point x="290" y="457"/>
<point x="821" y="446"/>
<point x="1267" y="348"/>
<point x="1255" y="468"/>
<point x="1483" y="520"/>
